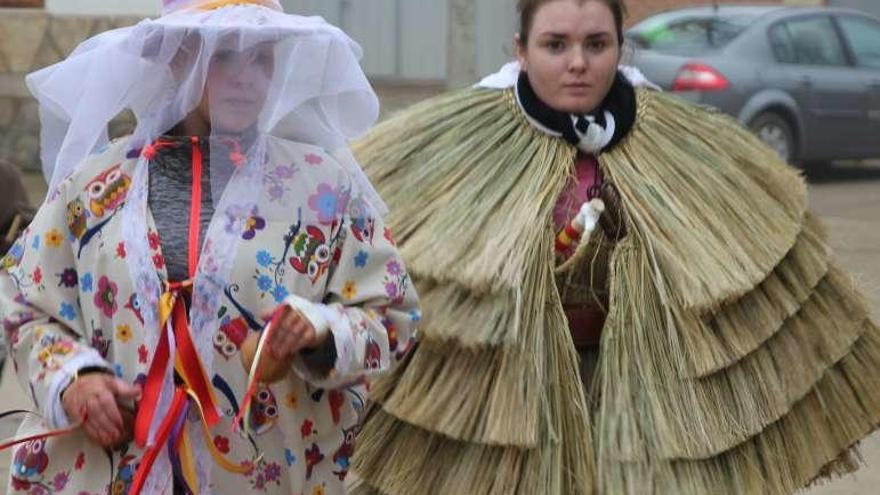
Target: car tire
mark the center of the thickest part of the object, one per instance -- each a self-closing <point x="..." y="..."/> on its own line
<point x="775" y="131"/>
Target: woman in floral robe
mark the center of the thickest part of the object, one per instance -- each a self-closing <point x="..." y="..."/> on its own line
<point x="298" y="226"/>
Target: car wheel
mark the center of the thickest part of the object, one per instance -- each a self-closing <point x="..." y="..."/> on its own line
<point x="776" y="133"/>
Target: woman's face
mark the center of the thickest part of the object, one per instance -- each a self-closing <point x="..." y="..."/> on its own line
<point x="235" y="88"/>
<point x="572" y="54"/>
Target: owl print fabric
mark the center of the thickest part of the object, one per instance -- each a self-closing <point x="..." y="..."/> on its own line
<point x="68" y="302"/>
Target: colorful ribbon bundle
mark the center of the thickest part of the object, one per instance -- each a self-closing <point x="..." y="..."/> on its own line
<point x="585" y="221"/>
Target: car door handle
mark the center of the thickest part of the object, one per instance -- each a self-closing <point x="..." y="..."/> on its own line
<point x="806" y="81"/>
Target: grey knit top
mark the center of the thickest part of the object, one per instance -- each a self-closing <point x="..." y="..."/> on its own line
<point x="170" y="193"/>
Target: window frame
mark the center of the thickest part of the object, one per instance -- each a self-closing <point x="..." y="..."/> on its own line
<point x="783" y="23"/>
<point x="850" y="50"/>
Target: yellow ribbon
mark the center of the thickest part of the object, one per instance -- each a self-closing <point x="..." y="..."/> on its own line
<point x="218" y="456"/>
<point x="218" y="4"/>
<point x="187" y="462"/>
<point x="166" y="305"/>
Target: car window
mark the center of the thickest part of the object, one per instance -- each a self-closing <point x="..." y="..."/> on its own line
<point x="863" y="36"/>
<point x="691" y="34"/>
<point x="782" y="44"/>
<point x="808" y="41"/>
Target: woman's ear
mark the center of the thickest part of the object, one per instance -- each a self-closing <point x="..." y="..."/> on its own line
<point x="520" y="51"/>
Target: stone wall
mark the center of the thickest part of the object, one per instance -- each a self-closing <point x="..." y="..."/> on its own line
<point x="31" y="39"/>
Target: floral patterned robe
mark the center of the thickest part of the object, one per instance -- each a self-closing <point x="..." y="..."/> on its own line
<point x="68" y="303"/>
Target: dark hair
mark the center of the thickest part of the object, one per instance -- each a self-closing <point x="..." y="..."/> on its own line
<point x="528" y="8"/>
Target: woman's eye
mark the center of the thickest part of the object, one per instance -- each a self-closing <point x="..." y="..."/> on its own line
<point x="555" y="46"/>
<point x="597" y="46"/>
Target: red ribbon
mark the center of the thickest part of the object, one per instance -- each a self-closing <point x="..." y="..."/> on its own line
<point x="152" y="391"/>
<point x="191" y="365"/>
<point x="195" y="211"/>
<point x="149" y="458"/>
<point x="39" y="436"/>
<point x="188" y="365"/>
<point x="254" y="382"/>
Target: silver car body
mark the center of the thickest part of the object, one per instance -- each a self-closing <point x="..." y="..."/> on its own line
<point x="815" y="69"/>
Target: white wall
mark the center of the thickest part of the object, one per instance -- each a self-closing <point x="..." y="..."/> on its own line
<point x="402" y="39"/>
<point x="496" y="25"/>
<point x="104" y="7"/>
<point x="409" y="39"/>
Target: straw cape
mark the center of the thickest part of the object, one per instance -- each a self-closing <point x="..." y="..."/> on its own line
<point x="736" y="358"/>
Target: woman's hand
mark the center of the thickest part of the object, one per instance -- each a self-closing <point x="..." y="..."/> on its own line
<point x="293" y="334"/>
<point x="96" y="397"/>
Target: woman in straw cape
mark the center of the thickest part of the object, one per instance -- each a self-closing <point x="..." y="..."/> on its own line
<point x="699" y="341"/>
<point x="132" y="297"/>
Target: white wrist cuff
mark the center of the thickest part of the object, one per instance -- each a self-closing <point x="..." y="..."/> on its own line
<point x="314" y="312"/>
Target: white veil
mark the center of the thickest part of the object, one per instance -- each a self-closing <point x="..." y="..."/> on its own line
<point x="157" y="69"/>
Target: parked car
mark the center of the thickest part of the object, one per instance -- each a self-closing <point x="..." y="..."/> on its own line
<point x="806" y="80"/>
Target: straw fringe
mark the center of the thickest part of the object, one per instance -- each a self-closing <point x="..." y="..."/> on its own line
<point x="496" y="379"/>
<point x="761" y="388"/>
<point x="718" y="340"/>
<point x="815" y="439"/>
<point x="398" y="458"/>
<point x="846" y="463"/>
<point x="571" y="425"/>
<point x="472" y="391"/>
<point x="361" y="487"/>
<point x="493" y="420"/>
<point x="466" y="394"/>
<point x="648" y="409"/>
<point x="471" y="320"/>
<point x="466" y="211"/>
<point x="677" y="160"/>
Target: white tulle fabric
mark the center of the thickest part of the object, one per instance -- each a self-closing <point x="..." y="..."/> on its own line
<point x="299" y="80"/>
<point x="157" y="69"/>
